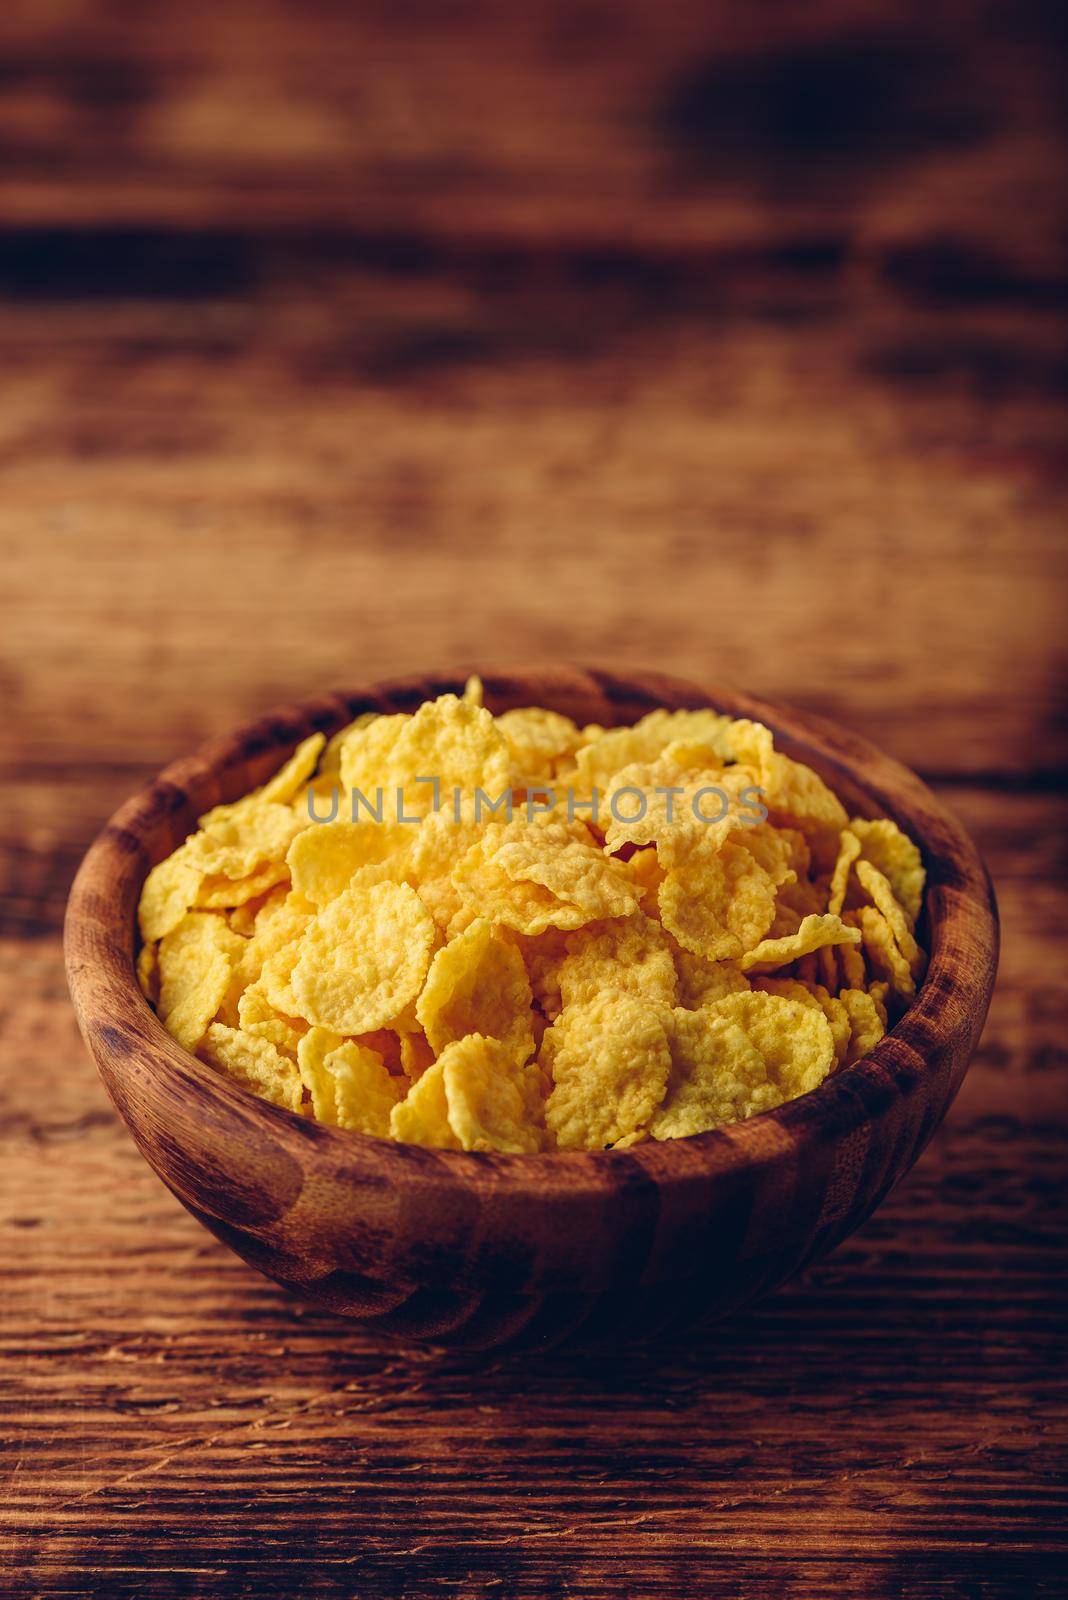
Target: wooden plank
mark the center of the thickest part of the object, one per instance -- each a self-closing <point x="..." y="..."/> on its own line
<point x="193" y="531"/>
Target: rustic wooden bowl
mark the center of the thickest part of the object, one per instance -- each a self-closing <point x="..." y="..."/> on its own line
<point x="485" y="1250"/>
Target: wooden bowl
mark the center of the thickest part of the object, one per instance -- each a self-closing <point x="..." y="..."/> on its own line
<point x="486" y="1250"/>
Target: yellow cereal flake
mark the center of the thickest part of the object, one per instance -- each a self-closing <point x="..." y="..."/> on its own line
<point x="813" y="934"/>
<point x="745" y="1054"/>
<point x="798" y="1061"/>
<point x="798" y="849"/>
<point x="609" y="1062"/>
<point x="640" y="809"/>
<point x="816" y="997"/>
<point x="543" y="956"/>
<point x="448" y="740"/>
<point x="242" y="918"/>
<point x="281" y="790"/>
<point x="169" y="891"/>
<point x="238" y="854"/>
<point x="148" y="972"/>
<point x="440" y="842"/>
<point x="717" y="1076"/>
<point x="195" y="962"/>
<point x="700" y="982"/>
<point x="718" y="904"/>
<point x="866" y="1025"/>
<point x="882" y="951"/>
<point x="849" y="957"/>
<point x="775" y="852"/>
<point x="529" y="908"/>
<point x="897" y="858"/>
<point x="606" y="755"/>
<point x="279" y="923"/>
<point x="882" y="896"/>
<point x="795" y="901"/>
<point x="493" y="1101"/>
<point x="216" y="892"/>
<point x="848" y="851"/>
<point x="256" y="1015"/>
<point x="477" y="984"/>
<point x="557" y="856"/>
<point x="414" y="1053"/>
<point x="629" y="1140"/>
<point x="530" y="877"/>
<point x="791" y="791"/>
<point x="276" y="980"/>
<point x="838" y="1020"/>
<point x="539" y="742"/>
<point x="879" y="993"/>
<point x="630" y="955"/>
<point x="788" y="988"/>
<point x="796" y="1041"/>
<point x="348" y="1083"/>
<point x="286" y="784"/>
<point x="646" y="873"/>
<point x="254" y="1063"/>
<point x="422" y="1117"/>
<point x="363" y="958"/>
<point x="324" y="859"/>
<point x="235" y="841"/>
<point x="330" y="761"/>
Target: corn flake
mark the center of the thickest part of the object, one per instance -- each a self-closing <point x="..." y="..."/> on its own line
<point x="493" y="1101"/>
<point x="257" y="1016"/>
<point x="324" y="859"/>
<point x="195" y="962"/>
<point x="451" y="741"/>
<point x="795" y="1041"/>
<point x="882" y="951"/>
<point x="897" y="858"/>
<point x="477" y="984"/>
<point x="539" y="742"/>
<point x="609" y="1062"/>
<point x="363" y="958"/>
<point x="348" y="1083"/>
<point x="718" y="904"/>
<point x="878" y="887"/>
<point x="531" y="876"/>
<point x="563" y="859"/>
<point x="866" y="1025"/>
<point x="848" y="851"/>
<point x="813" y="934"/>
<point x="717" y="1076"/>
<point x="606" y="755"/>
<point x="422" y="1117"/>
<point x="631" y="955"/>
<point x="254" y="1063"/>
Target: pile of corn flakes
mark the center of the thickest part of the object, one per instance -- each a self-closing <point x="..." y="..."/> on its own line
<point x="512" y="933"/>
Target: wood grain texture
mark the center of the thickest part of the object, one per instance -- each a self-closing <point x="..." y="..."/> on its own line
<point x="353" y="340"/>
<point x="753" y="503"/>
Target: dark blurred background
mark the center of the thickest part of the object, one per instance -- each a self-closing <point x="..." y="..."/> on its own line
<point x="342" y="339"/>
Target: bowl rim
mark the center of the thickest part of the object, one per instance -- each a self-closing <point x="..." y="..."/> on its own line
<point x="100" y="937"/>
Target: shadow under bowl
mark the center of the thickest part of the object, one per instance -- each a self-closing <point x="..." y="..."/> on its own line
<point x="484" y="1250"/>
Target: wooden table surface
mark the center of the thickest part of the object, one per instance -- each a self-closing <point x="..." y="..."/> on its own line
<point x="342" y="341"/>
